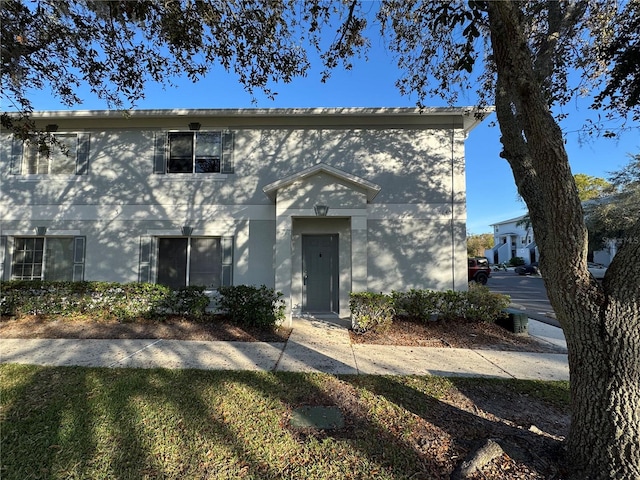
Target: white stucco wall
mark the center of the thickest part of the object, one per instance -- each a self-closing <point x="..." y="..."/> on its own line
<point x="413" y="231"/>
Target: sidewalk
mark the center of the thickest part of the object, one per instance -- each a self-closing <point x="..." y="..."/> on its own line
<point x="314" y="346"/>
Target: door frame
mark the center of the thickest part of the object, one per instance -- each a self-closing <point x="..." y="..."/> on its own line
<point x="289" y="258"/>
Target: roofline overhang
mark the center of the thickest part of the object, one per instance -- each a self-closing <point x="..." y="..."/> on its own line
<point x="516" y="219"/>
<point x="467" y="117"/>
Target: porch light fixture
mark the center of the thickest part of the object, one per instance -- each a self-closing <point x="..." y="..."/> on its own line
<point x="187" y="231"/>
<point x="41" y="231"/>
<point x="52" y="127"/>
<point x="194" y="126"/>
<point x="321" y="210"/>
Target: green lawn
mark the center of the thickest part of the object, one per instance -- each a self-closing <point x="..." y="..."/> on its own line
<point x="92" y="423"/>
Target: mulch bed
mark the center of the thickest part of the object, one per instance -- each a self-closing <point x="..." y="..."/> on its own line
<point x="172" y="328"/>
<point x="454" y="334"/>
<point x="451" y="333"/>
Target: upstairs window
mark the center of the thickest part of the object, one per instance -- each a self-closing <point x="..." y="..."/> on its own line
<point x="68" y="155"/>
<point x="60" y="158"/>
<point x="194" y="152"/>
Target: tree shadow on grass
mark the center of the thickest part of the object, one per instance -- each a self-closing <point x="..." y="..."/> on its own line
<point x="529" y="430"/>
<point x="121" y="423"/>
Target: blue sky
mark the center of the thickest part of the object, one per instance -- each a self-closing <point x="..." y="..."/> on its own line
<point x="491" y="192"/>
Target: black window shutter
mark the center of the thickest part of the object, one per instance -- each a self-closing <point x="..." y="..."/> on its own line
<point x="144" y="268"/>
<point x="82" y="161"/>
<point x="3" y="247"/>
<point x="227" y="261"/>
<point x="227" y="152"/>
<point x="159" y="164"/>
<point x="78" y="258"/>
<point x="17" y="148"/>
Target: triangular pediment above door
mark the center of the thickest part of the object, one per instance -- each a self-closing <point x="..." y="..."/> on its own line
<point x="323" y="183"/>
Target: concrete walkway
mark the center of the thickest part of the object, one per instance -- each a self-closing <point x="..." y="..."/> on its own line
<point x="315" y="345"/>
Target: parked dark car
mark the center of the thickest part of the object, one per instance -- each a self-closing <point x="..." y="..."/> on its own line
<point x="531" y="269"/>
<point x="479" y="270"/>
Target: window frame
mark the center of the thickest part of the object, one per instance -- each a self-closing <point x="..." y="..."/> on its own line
<point x="24" y="151"/>
<point x="77" y="264"/>
<point x="149" y="263"/>
<point x="223" y="160"/>
<point x="188" y="258"/>
<point x="16" y="254"/>
<point x="193" y="161"/>
<point x="37" y="158"/>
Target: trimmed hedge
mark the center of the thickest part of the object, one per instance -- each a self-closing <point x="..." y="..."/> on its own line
<point x="485" y="305"/>
<point x="416" y="304"/>
<point x="252" y="306"/>
<point x="247" y="305"/>
<point x="105" y="300"/>
<point x="371" y="311"/>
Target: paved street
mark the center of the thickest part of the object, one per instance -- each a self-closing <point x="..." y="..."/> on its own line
<point x="527" y="292"/>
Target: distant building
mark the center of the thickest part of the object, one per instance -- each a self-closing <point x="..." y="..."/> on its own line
<point x="513" y="238"/>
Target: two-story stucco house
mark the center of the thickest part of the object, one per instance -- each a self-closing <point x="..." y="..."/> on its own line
<point x="513" y="238"/>
<point x="314" y="202"/>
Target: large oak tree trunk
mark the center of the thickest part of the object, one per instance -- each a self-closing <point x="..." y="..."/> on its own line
<point x="601" y="322"/>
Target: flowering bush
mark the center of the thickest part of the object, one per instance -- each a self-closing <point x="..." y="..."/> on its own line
<point x="370" y="311"/>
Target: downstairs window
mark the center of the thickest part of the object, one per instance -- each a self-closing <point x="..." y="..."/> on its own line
<point x="48" y="258"/>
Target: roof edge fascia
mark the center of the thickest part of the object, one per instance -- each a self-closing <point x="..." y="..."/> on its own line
<point x="472" y="114"/>
<point x="511" y="220"/>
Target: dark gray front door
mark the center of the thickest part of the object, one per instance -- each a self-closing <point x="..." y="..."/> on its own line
<point x="320" y="273"/>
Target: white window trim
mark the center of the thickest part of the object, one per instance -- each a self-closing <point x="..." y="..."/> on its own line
<point x="156" y="256"/>
<point x="50" y="233"/>
<point x="38" y="177"/>
<point x="193" y="177"/>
